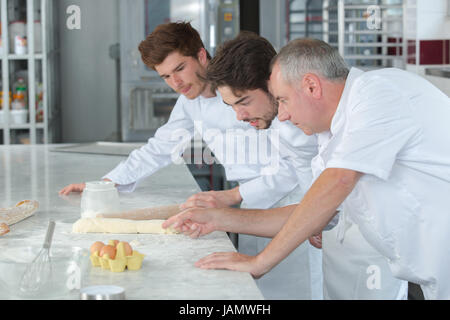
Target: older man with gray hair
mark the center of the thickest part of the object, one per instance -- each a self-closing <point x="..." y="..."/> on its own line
<point x="383" y="161"/>
<point x="366" y="273"/>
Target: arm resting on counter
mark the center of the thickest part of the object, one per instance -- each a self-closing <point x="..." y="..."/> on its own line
<point x="309" y="217"/>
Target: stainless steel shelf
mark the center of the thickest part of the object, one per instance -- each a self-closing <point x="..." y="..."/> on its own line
<point x="304" y="32"/>
<point x="348" y="20"/>
<point x="364" y="7"/>
<point x="373" y="44"/>
<point x="45" y="59"/>
<point x="370" y="57"/>
<point x="367" y="32"/>
<point x="303" y="22"/>
<point x="304" y="11"/>
<point x="336" y="19"/>
<point x="23" y="56"/>
<point x="38" y="125"/>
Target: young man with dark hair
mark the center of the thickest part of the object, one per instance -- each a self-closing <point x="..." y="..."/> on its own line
<point x="170" y="44"/>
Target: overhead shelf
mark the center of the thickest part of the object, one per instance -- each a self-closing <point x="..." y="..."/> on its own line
<point x="349" y="20"/>
<point x="23" y="56"/>
<point x="367" y="32"/>
<point x="365" y="6"/>
<point x="343" y="25"/>
<point x="39" y="69"/>
<point x="370" y="44"/>
<point x="39" y="125"/>
<point x="370" y="57"/>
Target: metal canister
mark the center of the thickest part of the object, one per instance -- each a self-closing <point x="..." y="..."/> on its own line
<point x="102" y="292"/>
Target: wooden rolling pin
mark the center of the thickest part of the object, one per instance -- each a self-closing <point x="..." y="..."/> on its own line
<point x="152" y="213"/>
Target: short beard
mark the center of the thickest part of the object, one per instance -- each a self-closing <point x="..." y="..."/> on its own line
<point x="272" y="115"/>
<point x="268" y="117"/>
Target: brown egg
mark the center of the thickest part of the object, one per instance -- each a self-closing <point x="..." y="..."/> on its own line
<point x="97" y="246"/>
<point x="128" y="248"/>
<point x="109" y="250"/>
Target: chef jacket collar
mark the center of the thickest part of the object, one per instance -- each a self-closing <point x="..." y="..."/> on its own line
<point x="338" y="118"/>
<point x="217" y="96"/>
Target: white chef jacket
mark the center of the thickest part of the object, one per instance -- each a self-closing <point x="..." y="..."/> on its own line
<point x="216" y="123"/>
<point x="350" y="264"/>
<point x="297" y="148"/>
<point x="393" y="126"/>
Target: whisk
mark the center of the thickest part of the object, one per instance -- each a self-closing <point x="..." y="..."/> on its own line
<point x="38" y="272"/>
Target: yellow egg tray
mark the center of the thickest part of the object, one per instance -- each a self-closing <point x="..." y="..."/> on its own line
<point x="120" y="262"/>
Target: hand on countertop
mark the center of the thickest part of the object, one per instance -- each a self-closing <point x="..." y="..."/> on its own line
<point x="231" y="261"/>
<point x="74" y="187"/>
<point x="213" y="199"/>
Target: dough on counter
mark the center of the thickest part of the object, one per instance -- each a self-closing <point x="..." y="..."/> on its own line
<point x="110" y="225"/>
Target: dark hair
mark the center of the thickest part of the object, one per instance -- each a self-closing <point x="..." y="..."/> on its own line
<point x="242" y="64"/>
<point x="170" y="37"/>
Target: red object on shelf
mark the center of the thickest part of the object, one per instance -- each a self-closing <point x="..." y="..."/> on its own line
<point x="432" y="52"/>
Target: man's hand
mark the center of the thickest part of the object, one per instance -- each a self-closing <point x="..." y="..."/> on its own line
<point x="213" y="199"/>
<point x="194" y="222"/>
<point x="316" y="240"/>
<point x="231" y="261"/>
<point x="74" y="187"/>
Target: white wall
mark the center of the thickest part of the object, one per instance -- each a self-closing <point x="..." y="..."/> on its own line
<point x="433" y="19"/>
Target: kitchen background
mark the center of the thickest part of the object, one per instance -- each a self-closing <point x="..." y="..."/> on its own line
<point x="81" y="80"/>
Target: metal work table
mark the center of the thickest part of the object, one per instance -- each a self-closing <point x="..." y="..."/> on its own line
<point x="168" y="271"/>
<point x="438" y="72"/>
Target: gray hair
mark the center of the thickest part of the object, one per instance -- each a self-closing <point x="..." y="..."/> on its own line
<point x="307" y="55"/>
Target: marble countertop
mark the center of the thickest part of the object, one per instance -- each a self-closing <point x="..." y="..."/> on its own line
<point x="168" y="272"/>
